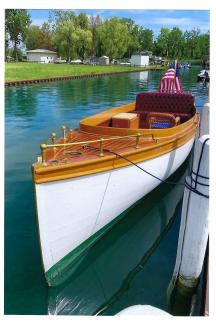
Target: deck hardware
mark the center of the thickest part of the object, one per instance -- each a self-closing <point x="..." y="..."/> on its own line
<point x="64" y="131"/>
<point x="137" y="140"/>
<point x="84" y="146"/>
<point x="101" y="154"/>
<point x="73" y="153"/>
<point x="53" y="137"/>
<point x="154" y="139"/>
<point x="54" y="160"/>
<point x="43" y="147"/>
<point x="39" y="159"/>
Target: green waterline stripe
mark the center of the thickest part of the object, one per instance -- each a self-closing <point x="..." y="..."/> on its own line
<point x="55" y="276"/>
<point x="62" y="270"/>
<point x="126" y="282"/>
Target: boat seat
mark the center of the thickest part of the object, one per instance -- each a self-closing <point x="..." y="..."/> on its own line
<point x="157" y="120"/>
<point x="181" y="105"/>
<point x="183" y="116"/>
<point x="165" y="102"/>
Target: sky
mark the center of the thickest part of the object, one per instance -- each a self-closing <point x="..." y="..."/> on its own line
<point x="153" y="19"/>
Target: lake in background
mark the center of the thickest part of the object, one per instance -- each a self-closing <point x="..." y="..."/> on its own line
<point x="133" y="263"/>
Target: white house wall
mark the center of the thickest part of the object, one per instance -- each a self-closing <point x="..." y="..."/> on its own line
<point x="139" y="60"/>
<point x="144" y="60"/>
<point x="41" y="57"/>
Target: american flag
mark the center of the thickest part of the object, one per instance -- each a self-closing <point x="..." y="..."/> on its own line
<point x="171" y="82"/>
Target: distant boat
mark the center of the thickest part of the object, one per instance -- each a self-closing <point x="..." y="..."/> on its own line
<point x="204" y="75"/>
<point x="89" y="177"/>
<point x="187" y="66"/>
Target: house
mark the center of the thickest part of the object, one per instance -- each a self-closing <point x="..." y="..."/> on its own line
<point x="156" y="60"/>
<point x="140" y="59"/>
<point x="95" y="60"/>
<point x="41" y="56"/>
<point x="103" y="60"/>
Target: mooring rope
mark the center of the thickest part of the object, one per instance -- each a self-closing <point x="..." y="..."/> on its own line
<point x="190" y="187"/>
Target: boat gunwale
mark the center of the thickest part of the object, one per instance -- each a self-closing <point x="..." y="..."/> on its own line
<point x="91" y="124"/>
<point x="45" y="174"/>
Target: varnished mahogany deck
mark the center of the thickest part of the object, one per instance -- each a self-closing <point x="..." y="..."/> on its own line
<point x="79" y="153"/>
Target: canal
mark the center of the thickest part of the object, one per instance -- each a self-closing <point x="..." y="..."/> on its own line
<point x="133" y="263"/>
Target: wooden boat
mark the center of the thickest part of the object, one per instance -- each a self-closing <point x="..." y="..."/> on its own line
<point x="93" y="287"/>
<point x="86" y="179"/>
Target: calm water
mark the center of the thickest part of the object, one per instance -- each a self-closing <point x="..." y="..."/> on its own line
<point x="133" y="263"/>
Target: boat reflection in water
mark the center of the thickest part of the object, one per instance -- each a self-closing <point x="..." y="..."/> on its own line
<point x="107" y="268"/>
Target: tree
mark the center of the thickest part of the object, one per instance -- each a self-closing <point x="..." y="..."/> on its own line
<point x="47" y="36"/>
<point x="82" y="21"/>
<point x="134" y="32"/>
<point x="163" y="41"/>
<point x="65" y="38"/>
<point x="94" y="23"/>
<point x="204" y="44"/>
<point x="175" y="43"/>
<point x="191" y="40"/>
<point x="17" y="22"/>
<point x="60" y="16"/>
<point x="114" y="38"/>
<point x="39" y="37"/>
<point x="84" y="42"/>
<point x="6" y="44"/>
<point x="34" y="38"/>
<point x="146" y="39"/>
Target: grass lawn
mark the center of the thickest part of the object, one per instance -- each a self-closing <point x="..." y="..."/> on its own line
<point x="26" y="71"/>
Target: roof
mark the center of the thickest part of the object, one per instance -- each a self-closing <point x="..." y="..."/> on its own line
<point x="40" y="51"/>
<point x="144" y="53"/>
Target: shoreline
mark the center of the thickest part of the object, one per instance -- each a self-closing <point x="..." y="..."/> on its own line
<point x="73" y="77"/>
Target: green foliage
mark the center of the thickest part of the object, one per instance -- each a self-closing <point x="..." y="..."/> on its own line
<point x="84" y="43"/>
<point x="59" y="16"/>
<point x="78" y="36"/>
<point x="175" y="43"/>
<point x="94" y="23"/>
<point x="39" y="37"/>
<point x="34" y="37"/>
<point x="114" y="38"/>
<point x="71" y="35"/>
<point x="146" y="39"/>
<point x="65" y="38"/>
<point x="18" y="55"/>
<point x="17" y="22"/>
<point x="163" y="41"/>
<point x="134" y="32"/>
<point x="82" y="21"/>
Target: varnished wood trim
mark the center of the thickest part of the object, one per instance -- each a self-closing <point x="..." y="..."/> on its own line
<point x="91" y="124"/>
<point x="43" y="174"/>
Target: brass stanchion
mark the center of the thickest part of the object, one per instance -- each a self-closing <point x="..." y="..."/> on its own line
<point x="53" y="136"/>
<point x="101" y="154"/>
<point x="43" y="147"/>
<point x="64" y="131"/>
<point x="137" y="140"/>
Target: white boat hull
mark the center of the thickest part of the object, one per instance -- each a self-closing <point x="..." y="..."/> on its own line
<point x="71" y="211"/>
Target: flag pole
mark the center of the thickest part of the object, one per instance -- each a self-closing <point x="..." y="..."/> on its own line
<point x="176" y="63"/>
